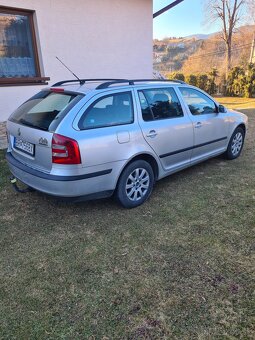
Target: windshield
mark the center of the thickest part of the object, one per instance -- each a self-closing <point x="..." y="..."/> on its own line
<point x="40" y="110"/>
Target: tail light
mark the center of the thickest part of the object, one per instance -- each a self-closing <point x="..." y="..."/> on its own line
<point x="65" y="150"/>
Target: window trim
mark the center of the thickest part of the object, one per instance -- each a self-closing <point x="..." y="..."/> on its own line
<point x="38" y="80"/>
<point x="84" y="114"/>
<point x="152" y="115"/>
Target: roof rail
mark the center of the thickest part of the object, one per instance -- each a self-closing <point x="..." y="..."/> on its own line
<point x="83" y="81"/>
<point x="133" y="81"/>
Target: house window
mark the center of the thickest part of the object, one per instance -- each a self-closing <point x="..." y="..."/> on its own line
<point x="19" y="62"/>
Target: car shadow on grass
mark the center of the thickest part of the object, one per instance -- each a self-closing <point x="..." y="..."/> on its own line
<point x="179" y="179"/>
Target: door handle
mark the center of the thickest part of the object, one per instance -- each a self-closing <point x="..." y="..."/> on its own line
<point x="198" y="125"/>
<point x="152" y="134"/>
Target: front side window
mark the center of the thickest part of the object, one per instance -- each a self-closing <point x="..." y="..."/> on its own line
<point x="111" y="110"/>
<point x="18" y="52"/>
<point x="159" y="104"/>
<point x="197" y="102"/>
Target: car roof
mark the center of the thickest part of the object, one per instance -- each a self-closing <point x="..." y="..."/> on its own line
<point x="85" y="86"/>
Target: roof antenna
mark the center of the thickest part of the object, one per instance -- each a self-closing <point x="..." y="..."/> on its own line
<point x="80" y="81"/>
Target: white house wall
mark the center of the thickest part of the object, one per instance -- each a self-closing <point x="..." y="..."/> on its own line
<point x="99" y="38"/>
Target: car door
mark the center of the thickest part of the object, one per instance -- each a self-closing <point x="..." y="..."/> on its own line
<point x="165" y="126"/>
<point x="210" y="125"/>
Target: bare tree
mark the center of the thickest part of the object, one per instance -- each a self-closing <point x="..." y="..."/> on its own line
<point x="229" y="13"/>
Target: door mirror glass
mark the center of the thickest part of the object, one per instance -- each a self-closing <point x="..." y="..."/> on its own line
<point x="222" y="109"/>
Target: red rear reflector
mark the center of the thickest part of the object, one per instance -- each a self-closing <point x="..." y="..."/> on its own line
<point x="57" y="90"/>
<point x="65" y="150"/>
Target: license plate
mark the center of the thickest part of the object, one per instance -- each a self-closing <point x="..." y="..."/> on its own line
<point x="24" y="146"/>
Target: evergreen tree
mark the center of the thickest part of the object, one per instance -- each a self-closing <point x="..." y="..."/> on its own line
<point x="249" y="86"/>
<point x="212" y="77"/>
<point x="191" y="79"/>
<point x="176" y="75"/>
<point x="202" y="82"/>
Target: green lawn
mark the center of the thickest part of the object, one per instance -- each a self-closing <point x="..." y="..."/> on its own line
<point x="179" y="267"/>
<point x="237" y="103"/>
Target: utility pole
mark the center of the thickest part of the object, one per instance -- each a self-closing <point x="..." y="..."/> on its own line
<point x="252" y="57"/>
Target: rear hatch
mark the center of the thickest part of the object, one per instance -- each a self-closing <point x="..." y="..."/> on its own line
<point x="30" y="128"/>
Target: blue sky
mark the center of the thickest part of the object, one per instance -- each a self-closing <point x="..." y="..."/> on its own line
<point x="185" y="19"/>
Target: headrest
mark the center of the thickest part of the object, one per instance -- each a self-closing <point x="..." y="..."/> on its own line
<point x="160" y="97"/>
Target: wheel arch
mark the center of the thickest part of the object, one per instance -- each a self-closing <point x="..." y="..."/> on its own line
<point x="229" y="152"/>
<point x="242" y="126"/>
<point x="147" y="158"/>
<point x="118" y="192"/>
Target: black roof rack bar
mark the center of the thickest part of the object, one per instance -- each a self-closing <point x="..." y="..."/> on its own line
<point x="133" y="81"/>
<point x="157" y="80"/>
<point x="109" y="83"/>
<point x="83" y="81"/>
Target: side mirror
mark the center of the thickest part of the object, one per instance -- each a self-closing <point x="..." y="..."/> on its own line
<point x="222" y="109"/>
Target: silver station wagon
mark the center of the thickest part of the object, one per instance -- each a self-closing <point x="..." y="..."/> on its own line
<point x="99" y="137"/>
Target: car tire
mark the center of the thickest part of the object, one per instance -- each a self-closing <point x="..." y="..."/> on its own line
<point x="235" y="144"/>
<point x="135" y="184"/>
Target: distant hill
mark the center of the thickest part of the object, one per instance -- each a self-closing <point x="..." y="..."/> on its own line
<point x="199" y="36"/>
<point x="199" y="53"/>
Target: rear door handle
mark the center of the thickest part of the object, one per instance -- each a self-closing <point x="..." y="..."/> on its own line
<point x="152" y="134"/>
<point x="198" y="125"/>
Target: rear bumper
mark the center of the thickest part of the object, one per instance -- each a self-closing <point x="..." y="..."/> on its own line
<point x="88" y="184"/>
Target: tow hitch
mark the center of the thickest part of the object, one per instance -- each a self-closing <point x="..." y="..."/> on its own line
<point x="13" y="181"/>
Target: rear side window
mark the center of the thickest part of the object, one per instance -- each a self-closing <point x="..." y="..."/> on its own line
<point x="159" y="104"/>
<point x="111" y="110"/>
<point x="198" y="102"/>
<point x="42" y="109"/>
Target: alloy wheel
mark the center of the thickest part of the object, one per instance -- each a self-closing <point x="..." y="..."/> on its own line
<point x="237" y="143"/>
<point x="137" y="184"/>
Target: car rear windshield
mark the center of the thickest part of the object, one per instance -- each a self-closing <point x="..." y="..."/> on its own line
<point x="40" y="110"/>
